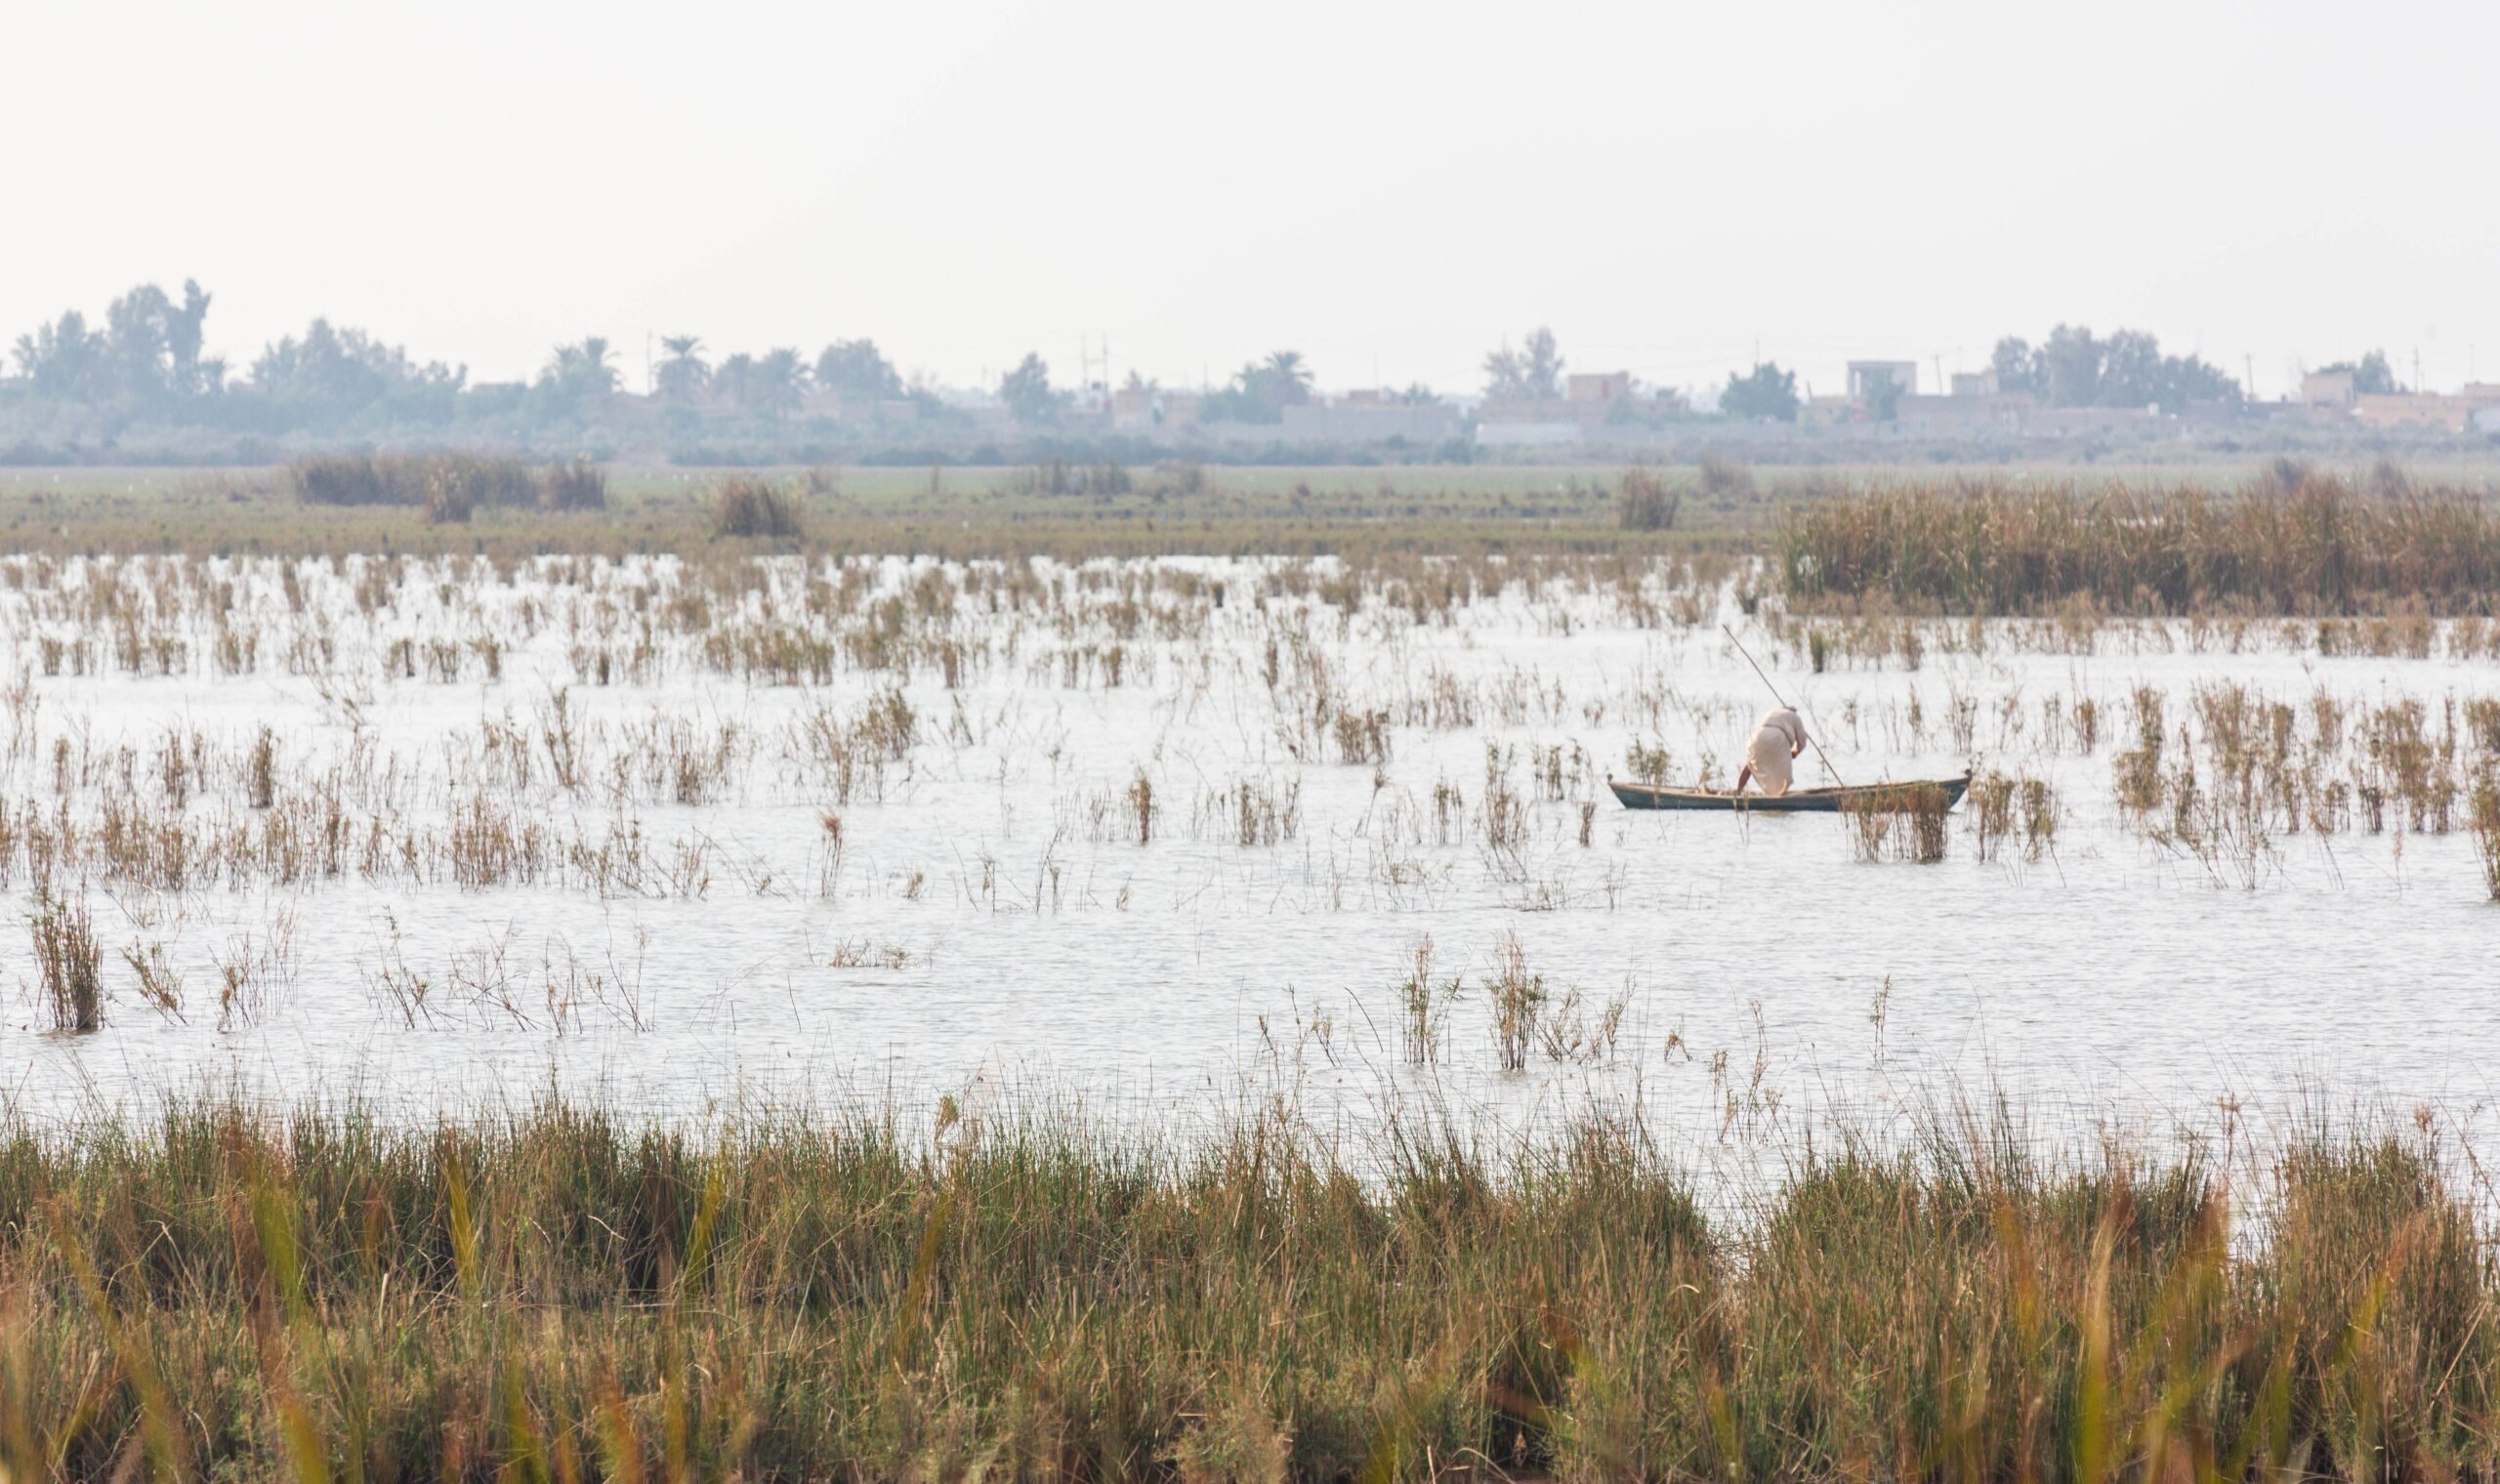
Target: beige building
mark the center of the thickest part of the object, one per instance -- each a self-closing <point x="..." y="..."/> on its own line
<point x="1826" y="411"/>
<point x="1867" y="376"/>
<point x="2413" y="409"/>
<point x="2328" y="389"/>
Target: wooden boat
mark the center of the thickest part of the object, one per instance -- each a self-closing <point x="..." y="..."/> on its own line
<point x="1811" y="800"/>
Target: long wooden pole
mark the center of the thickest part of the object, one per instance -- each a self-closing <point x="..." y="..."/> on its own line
<point x="1782" y="700"/>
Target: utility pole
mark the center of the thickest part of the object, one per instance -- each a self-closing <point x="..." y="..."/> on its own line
<point x="2248" y="364"/>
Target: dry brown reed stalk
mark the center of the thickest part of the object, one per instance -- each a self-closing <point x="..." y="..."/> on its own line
<point x="1992" y="797"/>
<point x="1265" y="814"/>
<point x="746" y="506"/>
<point x="1140" y="806"/>
<point x="2039" y="804"/>
<point x="1421" y="1001"/>
<point x="1362" y="736"/>
<point x="1644" y="502"/>
<point x="831" y="876"/>
<point x="1901" y="822"/>
<point x="577" y="485"/>
<point x="260" y="782"/>
<point x="1648" y="763"/>
<point x="160" y="984"/>
<point x="1518" y="998"/>
<point x="449" y="500"/>
<point x="67" y="962"/>
<point x="1506" y="813"/>
<point x="2486" y="833"/>
<point x="2138" y="770"/>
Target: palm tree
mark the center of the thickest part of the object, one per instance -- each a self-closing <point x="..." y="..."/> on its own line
<point x="1290" y="377"/>
<point x="736" y="380"/>
<point x="781" y="379"/>
<point x="685" y="373"/>
<point x="599" y="371"/>
<point x="582" y="369"/>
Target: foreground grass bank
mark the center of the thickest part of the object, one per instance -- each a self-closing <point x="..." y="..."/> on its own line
<point x="561" y="1295"/>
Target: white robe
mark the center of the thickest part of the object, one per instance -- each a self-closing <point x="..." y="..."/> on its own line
<point x="1777" y="739"/>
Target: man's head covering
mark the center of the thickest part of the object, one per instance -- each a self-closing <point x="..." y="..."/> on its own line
<point x="1788" y="722"/>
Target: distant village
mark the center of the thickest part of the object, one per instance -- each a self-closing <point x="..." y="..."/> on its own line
<point x="139" y="385"/>
<point x="1881" y="398"/>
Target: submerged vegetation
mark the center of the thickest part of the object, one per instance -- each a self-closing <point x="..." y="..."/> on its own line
<point x="218" y="1294"/>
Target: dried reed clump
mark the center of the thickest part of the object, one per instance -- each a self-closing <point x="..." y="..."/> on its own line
<point x="260" y="775"/>
<point x="2040" y="810"/>
<point x="1644" y="502"/>
<point x="1991" y="812"/>
<point x="448" y="499"/>
<point x="1422" y="1004"/>
<point x="67" y="962"/>
<point x="2008" y="810"/>
<point x="2485" y="816"/>
<point x="1648" y="763"/>
<point x="161" y="983"/>
<point x="1905" y="822"/>
<point x="744" y="506"/>
<point x="451" y="481"/>
<point x="1506" y="812"/>
<point x="1723" y="478"/>
<point x="1518" y="998"/>
<point x="1141" y="806"/>
<point x="577" y="485"/>
<point x="2136" y="771"/>
<point x="1266" y="814"/>
<point x="1362" y="736"/>
<point x="1055" y="476"/>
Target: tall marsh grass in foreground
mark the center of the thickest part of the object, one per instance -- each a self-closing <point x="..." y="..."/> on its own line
<point x="559" y="1294"/>
<point x="2312" y="546"/>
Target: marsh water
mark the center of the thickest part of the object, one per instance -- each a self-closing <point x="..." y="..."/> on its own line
<point x="987" y="921"/>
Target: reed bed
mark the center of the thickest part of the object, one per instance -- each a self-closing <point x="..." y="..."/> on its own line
<point x="1382" y="756"/>
<point x="2217" y="774"/>
<point x="215" y="1293"/>
<point x="446" y="486"/>
<point x="1907" y="823"/>
<point x="2319" y="546"/>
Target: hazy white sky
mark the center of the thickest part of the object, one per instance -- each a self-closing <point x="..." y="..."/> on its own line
<point x="1387" y="188"/>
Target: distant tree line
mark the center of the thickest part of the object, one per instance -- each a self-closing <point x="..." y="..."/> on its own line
<point x="143" y="367"/>
<point x="2073" y="368"/>
<point x="1532" y="373"/>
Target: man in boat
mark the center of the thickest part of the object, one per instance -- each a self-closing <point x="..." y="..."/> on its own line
<point x="1779" y="738"/>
